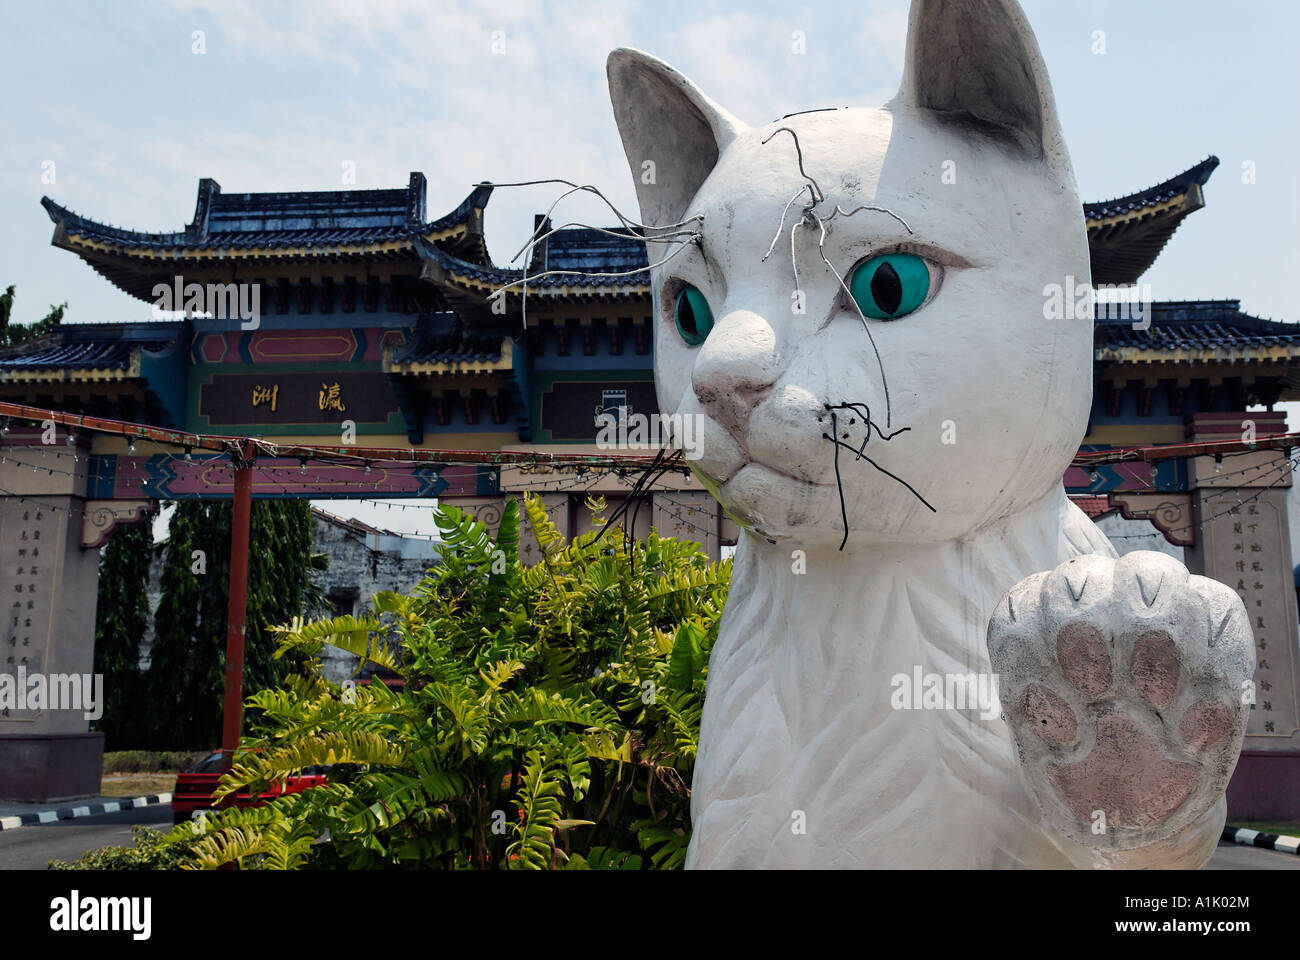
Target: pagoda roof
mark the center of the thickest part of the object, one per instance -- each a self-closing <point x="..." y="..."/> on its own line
<point x="590" y="250"/>
<point x="442" y="344"/>
<point x="303" y="226"/>
<point x="88" y="351"/>
<point x="568" y="264"/>
<point x="1197" y="331"/>
<point x="1125" y="235"/>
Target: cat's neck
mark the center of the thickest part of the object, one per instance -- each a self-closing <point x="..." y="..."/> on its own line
<point x="939" y="594"/>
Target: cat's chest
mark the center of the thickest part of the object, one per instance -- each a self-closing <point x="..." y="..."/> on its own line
<point x="839" y="713"/>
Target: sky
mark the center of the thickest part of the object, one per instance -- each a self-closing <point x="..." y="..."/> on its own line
<point x="117" y="109"/>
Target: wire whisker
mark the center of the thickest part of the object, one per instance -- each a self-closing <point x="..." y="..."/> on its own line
<point x="884" y="381"/>
<point x="866" y="206"/>
<point x="817" y="195"/>
<point x="840" y="443"/>
<point x="781" y="226"/>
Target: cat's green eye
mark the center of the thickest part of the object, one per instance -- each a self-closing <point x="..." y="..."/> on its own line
<point x="891" y="286"/>
<point x="694" y="318"/>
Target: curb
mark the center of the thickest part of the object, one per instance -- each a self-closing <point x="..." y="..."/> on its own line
<point x="1269" y="841"/>
<point x="85" y="810"/>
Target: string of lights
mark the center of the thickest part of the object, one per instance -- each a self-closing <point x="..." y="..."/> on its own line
<point x="1289" y="465"/>
<point x="574" y="472"/>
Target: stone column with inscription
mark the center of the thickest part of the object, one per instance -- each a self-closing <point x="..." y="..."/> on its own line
<point x="48" y="591"/>
<point x="1243" y="540"/>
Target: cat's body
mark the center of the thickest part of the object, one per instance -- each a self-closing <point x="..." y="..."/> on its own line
<point x="876" y="786"/>
<point x="896" y="477"/>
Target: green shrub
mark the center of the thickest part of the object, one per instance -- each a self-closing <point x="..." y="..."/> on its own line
<point x="148" y="853"/>
<point x="547" y="716"/>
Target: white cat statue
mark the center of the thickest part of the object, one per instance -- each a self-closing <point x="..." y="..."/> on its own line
<point x="853" y="311"/>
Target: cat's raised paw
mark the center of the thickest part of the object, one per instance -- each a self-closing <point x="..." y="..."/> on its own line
<point x="1127" y="684"/>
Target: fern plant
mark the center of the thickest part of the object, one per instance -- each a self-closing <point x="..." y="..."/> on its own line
<point x="546" y="717"/>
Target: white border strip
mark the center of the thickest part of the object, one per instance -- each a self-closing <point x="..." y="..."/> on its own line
<point x="85" y="810"/>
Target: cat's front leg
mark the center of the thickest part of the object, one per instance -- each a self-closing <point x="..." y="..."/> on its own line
<point x="1126" y="684"/>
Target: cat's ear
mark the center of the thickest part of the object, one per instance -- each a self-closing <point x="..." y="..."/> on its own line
<point x="978" y="60"/>
<point x="672" y="133"/>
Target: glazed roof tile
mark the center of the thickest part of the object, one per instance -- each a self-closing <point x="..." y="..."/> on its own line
<point x="90" y="346"/>
<point x="284" y="220"/>
<point x="1152" y="196"/>
<point x="1196" y="325"/>
<point x="441" y="338"/>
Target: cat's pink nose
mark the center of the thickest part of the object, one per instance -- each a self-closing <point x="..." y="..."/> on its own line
<point x="735" y="369"/>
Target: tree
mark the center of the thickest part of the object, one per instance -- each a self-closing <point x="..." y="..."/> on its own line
<point x="121" y="614"/>
<point x="186" y="676"/>
<point x="14" y="334"/>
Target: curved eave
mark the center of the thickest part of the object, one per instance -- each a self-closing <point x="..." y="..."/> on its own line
<point x="134" y="261"/>
<point x="137" y="272"/>
<point x="71" y="374"/>
<point x="472" y="285"/>
<point x="482" y="289"/>
<point x="586" y="292"/>
<point x="1123" y="246"/>
<point x="1126" y="235"/>
<point x="1274" y="354"/>
<point x="503" y="364"/>
<point x="58" y="375"/>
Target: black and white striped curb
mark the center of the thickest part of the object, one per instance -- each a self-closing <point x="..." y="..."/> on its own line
<point x="1256" y="838"/>
<point x="87" y="810"/>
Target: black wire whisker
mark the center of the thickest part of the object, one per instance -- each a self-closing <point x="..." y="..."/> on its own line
<point x="839" y="443"/>
<point x="864" y="411"/>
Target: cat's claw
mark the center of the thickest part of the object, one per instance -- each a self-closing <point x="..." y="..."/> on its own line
<point x="1126" y="683"/>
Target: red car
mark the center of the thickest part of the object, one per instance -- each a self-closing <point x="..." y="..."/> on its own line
<point x="193" y="790"/>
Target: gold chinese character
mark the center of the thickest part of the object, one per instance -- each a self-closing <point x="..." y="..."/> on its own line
<point x="269" y="395"/>
<point x="331" y="397"/>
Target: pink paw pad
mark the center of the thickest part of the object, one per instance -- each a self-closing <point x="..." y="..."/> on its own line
<point x="1126" y="775"/>
<point x="1085" y="658"/>
<point x="1155" y="667"/>
<point x="1205" y="722"/>
<point x="1051" y="716"/>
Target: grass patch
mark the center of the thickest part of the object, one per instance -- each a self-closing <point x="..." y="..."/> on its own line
<point x="1289" y="827"/>
<point x="137" y="784"/>
<point x="152" y="761"/>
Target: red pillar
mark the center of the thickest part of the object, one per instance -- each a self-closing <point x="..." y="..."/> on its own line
<point x="232" y="715"/>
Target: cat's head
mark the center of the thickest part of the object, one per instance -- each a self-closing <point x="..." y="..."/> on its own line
<point x="976" y="215"/>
